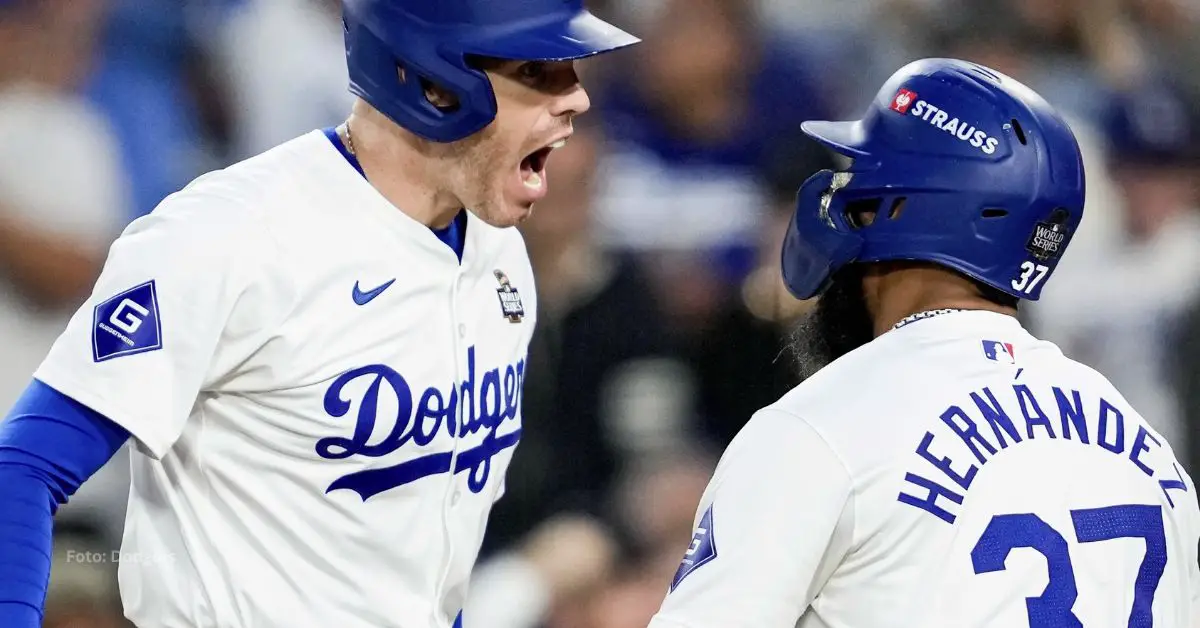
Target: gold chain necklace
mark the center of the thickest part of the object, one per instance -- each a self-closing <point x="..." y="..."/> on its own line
<point x="349" y="139"/>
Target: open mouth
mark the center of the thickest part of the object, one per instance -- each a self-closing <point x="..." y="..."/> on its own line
<point x="533" y="167"/>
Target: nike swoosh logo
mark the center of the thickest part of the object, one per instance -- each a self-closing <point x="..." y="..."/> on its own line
<point x="363" y="298"/>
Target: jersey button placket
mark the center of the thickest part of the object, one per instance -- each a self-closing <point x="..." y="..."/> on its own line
<point x="453" y="494"/>
<point x="463" y="343"/>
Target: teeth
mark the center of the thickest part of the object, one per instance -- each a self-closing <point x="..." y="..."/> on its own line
<point x="559" y="144"/>
<point x="534" y="181"/>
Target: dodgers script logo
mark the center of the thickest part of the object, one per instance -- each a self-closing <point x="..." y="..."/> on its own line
<point x="484" y="402"/>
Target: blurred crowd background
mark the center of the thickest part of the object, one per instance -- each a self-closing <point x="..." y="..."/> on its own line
<point x="664" y="323"/>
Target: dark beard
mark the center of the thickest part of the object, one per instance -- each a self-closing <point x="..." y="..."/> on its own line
<point x="839" y="324"/>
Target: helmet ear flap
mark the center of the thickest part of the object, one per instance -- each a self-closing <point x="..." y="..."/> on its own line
<point x="442" y="99"/>
<point x="819" y="240"/>
<point x="401" y="87"/>
<point x="861" y="213"/>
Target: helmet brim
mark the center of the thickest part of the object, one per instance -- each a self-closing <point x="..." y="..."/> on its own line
<point x="847" y="138"/>
<point x="583" y="35"/>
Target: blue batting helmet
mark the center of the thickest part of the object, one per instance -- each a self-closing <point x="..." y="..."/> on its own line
<point x="953" y="163"/>
<point x="394" y="46"/>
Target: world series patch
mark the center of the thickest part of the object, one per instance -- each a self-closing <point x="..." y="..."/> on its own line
<point x="1048" y="237"/>
<point x="510" y="300"/>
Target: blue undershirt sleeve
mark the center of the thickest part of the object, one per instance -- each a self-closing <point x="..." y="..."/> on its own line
<point x="50" y="444"/>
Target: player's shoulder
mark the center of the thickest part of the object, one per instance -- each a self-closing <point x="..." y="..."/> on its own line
<point x="780" y="432"/>
<point x="276" y="178"/>
<point x="856" y="380"/>
<point x="239" y="200"/>
<point x="1093" y="383"/>
<point x="832" y="410"/>
<point x="885" y="389"/>
<point x="221" y="219"/>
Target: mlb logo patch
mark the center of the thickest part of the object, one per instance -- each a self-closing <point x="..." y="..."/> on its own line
<point x="127" y="324"/>
<point x="903" y="100"/>
<point x="702" y="550"/>
<point x="999" y="351"/>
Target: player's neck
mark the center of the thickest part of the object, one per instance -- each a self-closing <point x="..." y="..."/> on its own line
<point x="396" y="168"/>
<point x="893" y="296"/>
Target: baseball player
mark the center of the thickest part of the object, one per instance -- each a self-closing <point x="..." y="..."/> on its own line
<point x="945" y="468"/>
<point x="318" y="353"/>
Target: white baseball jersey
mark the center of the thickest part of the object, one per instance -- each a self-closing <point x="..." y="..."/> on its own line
<point x="954" y="473"/>
<point x="325" y="399"/>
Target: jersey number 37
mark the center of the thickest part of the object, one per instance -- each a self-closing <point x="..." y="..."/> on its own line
<point x="1052" y="609"/>
<point x="1031" y="275"/>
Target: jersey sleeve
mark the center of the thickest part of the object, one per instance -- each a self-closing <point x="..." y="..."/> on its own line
<point x="150" y="336"/>
<point x="774" y="522"/>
